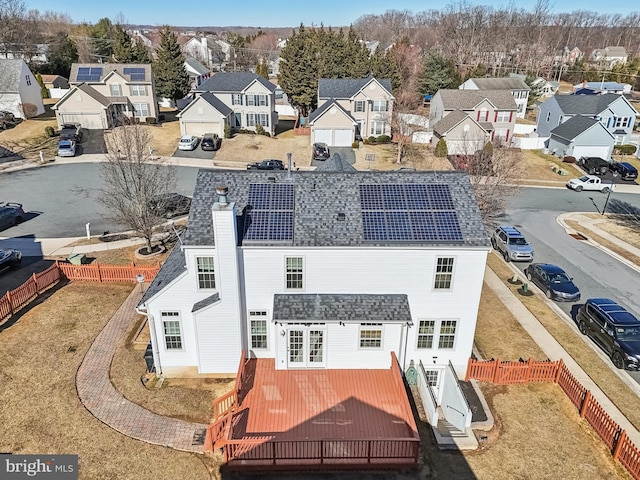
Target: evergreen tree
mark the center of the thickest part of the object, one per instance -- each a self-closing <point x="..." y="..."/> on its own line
<point x="357" y="55"/>
<point x="383" y="65"/>
<point x="125" y="50"/>
<point x="262" y="69"/>
<point x="172" y="80"/>
<point x="535" y="87"/>
<point x="438" y="73"/>
<point x="103" y="34"/>
<point x="44" y="93"/>
<point x="441" y="148"/>
<point x="61" y="54"/>
<point x="299" y="70"/>
<point x="479" y="71"/>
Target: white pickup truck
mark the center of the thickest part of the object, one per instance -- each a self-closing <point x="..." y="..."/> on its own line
<point x="589" y="182"/>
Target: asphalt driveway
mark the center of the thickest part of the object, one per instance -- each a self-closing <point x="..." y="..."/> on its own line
<point x="346" y="153"/>
<point x="195" y="153"/>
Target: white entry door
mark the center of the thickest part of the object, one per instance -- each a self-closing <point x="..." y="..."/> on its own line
<point x="306" y="346"/>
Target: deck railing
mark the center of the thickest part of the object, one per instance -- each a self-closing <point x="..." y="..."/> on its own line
<point x="504" y="373"/>
<point x="96" y="272"/>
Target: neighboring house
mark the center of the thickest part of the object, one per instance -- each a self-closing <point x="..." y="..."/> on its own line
<point x="545" y="88"/>
<point x="493" y="110"/>
<point x="198" y="73"/>
<point x="597" y="88"/>
<point x="581" y="137"/>
<point x="609" y="56"/>
<point x="250" y="97"/>
<point x="205" y="114"/>
<point x="55" y="81"/>
<point x="19" y="91"/>
<point x="612" y="110"/>
<point x="102" y="94"/>
<point x="462" y="134"/>
<point x="573" y="55"/>
<point x="350" y="108"/>
<point x="279" y="237"/>
<point x="518" y="88"/>
<point x="198" y="48"/>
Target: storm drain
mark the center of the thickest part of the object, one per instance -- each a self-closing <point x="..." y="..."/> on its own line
<point x="578" y="236"/>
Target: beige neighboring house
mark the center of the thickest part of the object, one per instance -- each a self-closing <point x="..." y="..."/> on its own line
<point x="493" y="110"/>
<point x="102" y="94"/>
<point x="55" y="81"/>
<point x="205" y="114"/>
<point x="350" y="108"/>
<point x="609" y="56"/>
<point x="462" y="134"/>
<point x="19" y="91"/>
<point x="516" y="86"/>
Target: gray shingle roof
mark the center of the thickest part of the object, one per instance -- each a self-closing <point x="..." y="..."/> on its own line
<point x="326" y="106"/>
<point x="196" y="65"/>
<point x="573" y="127"/>
<point x="585" y="104"/>
<point x="447" y="122"/>
<point x="346" y="87"/>
<point x="341" y="307"/>
<point x="9" y="75"/>
<point x="233" y="82"/>
<point x="320" y="196"/>
<point x="505" y="83"/>
<point x="210" y="300"/>
<point x="469" y="99"/>
<point x="336" y="164"/>
<point x="173" y="266"/>
<point x="107" y="68"/>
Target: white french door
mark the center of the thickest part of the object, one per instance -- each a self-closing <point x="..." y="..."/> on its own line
<point x="306" y="346"/>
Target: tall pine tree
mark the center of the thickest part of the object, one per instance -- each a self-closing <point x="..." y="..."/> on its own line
<point x="299" y="70"/>
<point x="172" y="80"/>
<point x="438" y="73"/>
<point x="125" y="50"/>
<point x="383" y="65"/>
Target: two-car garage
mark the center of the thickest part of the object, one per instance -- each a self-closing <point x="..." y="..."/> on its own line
<point x="334" y="137"/>
<point x="333" y="125"/>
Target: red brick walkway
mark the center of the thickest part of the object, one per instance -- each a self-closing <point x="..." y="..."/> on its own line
<point x="107" y="404"/>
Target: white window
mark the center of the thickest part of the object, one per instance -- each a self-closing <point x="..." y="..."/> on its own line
<point x="251" y="119"/>
<point x="371" y="335"/>
<point x="141" y="109"/>
<point x="621" y="122"/>
<point x="501" y="135"/>
<point x="377" y="128"/>
<point x="262" y="119"/>
<point x="171" y="330"/>
<point x="358" y="106"/>
<point x="503" y="117"/>
<point x="426" y="329"/>
<point x="483" y="115"/>
<point x="262" y="100"/>
<point x="258" y="322"/>
<point x="236" y="99"/>
<point x="548" y="117"/>
<point x="116" y="90"/>
<point x="444" y="273"/>
<point x="28" y="79"/>
<point x="251" y="100"/>
<point x="447" y="338"/>
<point x="432" y="377"/>
<point x="138" y="90"/>
<point x="294" y="274"/>
<point x="379" y="106"/>
<point x="206" y="272"/>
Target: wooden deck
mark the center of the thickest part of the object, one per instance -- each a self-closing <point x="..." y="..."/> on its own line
<point x="321" y="418"/>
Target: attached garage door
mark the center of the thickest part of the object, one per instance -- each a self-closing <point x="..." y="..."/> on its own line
<point x="199" y="129"/>
<point x="342" y="138"/>
<point x="601" y="151"/>
<point x="322" y="136"/>
<point x="90" y="121"/>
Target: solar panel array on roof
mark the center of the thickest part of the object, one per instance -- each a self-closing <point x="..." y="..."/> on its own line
<point x="89" y="74"/>
<point x="409" y="212"/>
<point x="135" y="74"/>
<point x="269" y="215"/>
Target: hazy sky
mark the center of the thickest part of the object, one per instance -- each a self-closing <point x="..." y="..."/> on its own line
<point x="272" y="14"/>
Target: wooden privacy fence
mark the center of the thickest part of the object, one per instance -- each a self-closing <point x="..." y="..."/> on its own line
<point x="18" y="298"/>
<point x="508" y="373"/>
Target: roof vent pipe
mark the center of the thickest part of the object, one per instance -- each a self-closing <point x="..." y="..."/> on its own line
<point x="222" y="192"/>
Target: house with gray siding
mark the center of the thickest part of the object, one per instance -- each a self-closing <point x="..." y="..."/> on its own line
<point x="581" y="137"/>
<point x="614" y="111"/>
<point x="516" y="86"/>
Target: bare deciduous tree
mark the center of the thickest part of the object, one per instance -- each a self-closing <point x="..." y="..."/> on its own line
<point x="134" y="182"/>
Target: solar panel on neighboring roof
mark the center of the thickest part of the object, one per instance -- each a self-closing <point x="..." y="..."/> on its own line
<point x="409" y="212"/>
<point x="136" y="74"/>
<point x="89" y="74"/>
<point x="269" y="212"/>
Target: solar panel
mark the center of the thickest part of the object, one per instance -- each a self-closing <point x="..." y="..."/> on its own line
<point x="269" y="212"/>
<point x="409" y="212"/>
<point x="89" y="74"/>
<point x="136" y="74"/>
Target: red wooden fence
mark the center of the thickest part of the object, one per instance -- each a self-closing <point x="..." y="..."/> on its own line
<point x="504" y="373"/>
<point x="18" y="298"/>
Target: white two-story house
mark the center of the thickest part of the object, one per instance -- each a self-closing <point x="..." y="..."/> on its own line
<point x="351" y="108"/>
<point x="518" y="88"/>
<point x="102" y="95"/>
<point x="242" y="100"/>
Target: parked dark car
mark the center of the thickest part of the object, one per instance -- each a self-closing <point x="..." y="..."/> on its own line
<point x="10" y="214"/>
<point x="10" y="258"/>
<point x="170" y="205"/>
<point x="553" y="281"/>
<point x="8" y="120"/>
<point x="210" y="141"/>
<point x="321" y="151"/>
<point x="614" y="329"/>
<point x="624" y="170"/>
<point x="70" y="131"/>
<point x="593" y="165"/>
<point x="266" y="165"/>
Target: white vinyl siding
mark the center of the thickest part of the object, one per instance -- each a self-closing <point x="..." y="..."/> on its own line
<point x="444" y="273"/>
<point x="206" y="273"/>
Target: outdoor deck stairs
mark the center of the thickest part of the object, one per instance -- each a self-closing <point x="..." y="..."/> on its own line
<point x="449" y="437"/>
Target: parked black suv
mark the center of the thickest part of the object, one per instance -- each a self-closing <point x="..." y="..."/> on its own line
<point x="614" y="329"/>
<point x="625" y="170"/>
<point x="594" y="165"/>
<point x="321" y="151"/>
<point x="266" y="165"/>
<point x="210" y="141"/>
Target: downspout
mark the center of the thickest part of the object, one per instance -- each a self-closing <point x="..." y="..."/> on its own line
<point x="406" y="340"/>
<point x="154" y="340"/>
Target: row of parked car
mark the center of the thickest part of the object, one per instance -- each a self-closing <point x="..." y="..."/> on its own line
<point x="210" y="142"/>
<point x="596" y="167"/>
<point x="610" y="325"/>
